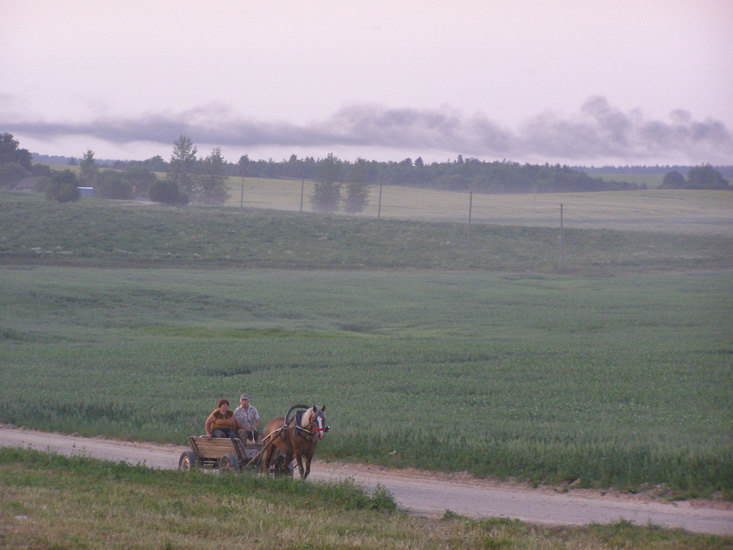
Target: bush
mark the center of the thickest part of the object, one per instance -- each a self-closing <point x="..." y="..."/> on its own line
<point x="11" y="174"/>
<point x="167" y="192"/>
<point x="63" y="187"/>
<point x="111" y="186"/>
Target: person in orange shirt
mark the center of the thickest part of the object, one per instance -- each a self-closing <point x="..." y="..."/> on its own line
<point x="221" y="422"/>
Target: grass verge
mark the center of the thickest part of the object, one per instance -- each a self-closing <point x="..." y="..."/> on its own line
<point x="57" y="502"/>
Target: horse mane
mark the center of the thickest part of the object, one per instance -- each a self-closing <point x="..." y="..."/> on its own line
<point x="306" y="418"/>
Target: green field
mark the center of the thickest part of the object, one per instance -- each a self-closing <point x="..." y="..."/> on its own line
<point x="667" y="210"/>
<point x="132" y="321"/>
<point x="56" y="502"/>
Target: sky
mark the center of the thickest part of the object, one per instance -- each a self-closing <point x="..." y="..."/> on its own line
<point x="571" y="81"/>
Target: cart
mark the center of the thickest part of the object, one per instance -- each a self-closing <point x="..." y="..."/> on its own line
<point x="229" y="455"/>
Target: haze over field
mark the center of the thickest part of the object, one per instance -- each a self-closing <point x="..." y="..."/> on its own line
<point x="582" y="82"/>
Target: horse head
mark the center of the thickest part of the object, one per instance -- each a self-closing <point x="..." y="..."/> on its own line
<point x="315" y="421"/>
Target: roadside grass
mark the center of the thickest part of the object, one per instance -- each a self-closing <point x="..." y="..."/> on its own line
<point x="106" y="233"/>
<point x="622" y="382"/>
<point x="52" y="502"/>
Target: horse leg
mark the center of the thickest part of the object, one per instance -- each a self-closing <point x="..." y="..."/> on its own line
<point x="308" y="458"/>
<point x="299" y="459"/>
<point x="267" y="458"/>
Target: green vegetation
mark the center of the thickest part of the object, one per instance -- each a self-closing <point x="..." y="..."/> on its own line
<point x="621" y="382"/>
<point x="107" y="233"/>
<point x="55" y="502"/>
<point x="119" y="319"/>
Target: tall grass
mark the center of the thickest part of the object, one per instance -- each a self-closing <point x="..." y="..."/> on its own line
<point x="621" y="382"/>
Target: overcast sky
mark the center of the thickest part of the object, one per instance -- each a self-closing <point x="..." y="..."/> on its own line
<point x="574" y="81"/>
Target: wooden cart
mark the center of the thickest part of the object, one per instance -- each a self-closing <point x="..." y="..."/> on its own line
<point x="229" y="455"/>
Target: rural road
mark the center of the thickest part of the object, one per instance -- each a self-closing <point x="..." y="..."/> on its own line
<point x="424" y="493"/>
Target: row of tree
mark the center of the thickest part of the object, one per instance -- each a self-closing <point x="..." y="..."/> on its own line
<point x="458" y="175"/>
<point x="698" y="177"/>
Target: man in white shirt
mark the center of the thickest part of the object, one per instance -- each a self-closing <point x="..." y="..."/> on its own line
<point x="248" y="420"/>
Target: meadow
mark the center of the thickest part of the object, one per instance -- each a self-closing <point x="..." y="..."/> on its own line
<point x="56" y="502"/>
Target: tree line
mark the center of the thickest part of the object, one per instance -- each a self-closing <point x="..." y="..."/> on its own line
<point x="456" y="175"/>
<point x="698" y="177"/>
<point x="339" y="184"/>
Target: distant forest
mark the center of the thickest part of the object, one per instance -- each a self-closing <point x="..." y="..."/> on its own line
<point x="458" y="175"/>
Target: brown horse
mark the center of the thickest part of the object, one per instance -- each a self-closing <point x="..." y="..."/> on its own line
<point x="297" y="439"/>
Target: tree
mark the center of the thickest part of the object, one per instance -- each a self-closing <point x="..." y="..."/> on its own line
<point x="213" y="189"/>
<point x="705" y="177"/>
<point x="673" y="180"/>
<point x="166" y="191"/>
<point x="111" y="185"/>
<point x="63" y="187"/>
<point x="357" y="191"/>
<point x="327" y="192"/>
<point x="89" y="169"/>
<point x="140" y="180"/>
<point x="182" y="168"/>
<point x="11" y="153"/>
<point x="11" y="174"/>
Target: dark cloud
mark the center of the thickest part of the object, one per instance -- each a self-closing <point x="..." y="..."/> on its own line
<point x="598" y="131"/>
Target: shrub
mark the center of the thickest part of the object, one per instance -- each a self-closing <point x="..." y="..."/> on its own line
<point x="111" y="186"/>
<point x="11" y="174"/>
<point x="167" y="191"/>
<point x="63" y="187"/>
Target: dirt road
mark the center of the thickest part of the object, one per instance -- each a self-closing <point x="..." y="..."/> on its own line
<point x="423" y="493"/>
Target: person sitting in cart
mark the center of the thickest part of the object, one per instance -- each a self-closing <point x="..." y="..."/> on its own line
<point x="221" y="422"/>
<point x="248" y="420"/>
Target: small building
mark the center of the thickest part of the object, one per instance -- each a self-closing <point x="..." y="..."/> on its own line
<point x="86" y="191"/>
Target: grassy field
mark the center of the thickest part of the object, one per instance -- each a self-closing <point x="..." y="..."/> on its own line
<point x="132" y="320"/>
<point x="666" y="210"/>
<point x="622" y="382"/>
<point x="55" y="502"/>
<point x="99" y="232"/>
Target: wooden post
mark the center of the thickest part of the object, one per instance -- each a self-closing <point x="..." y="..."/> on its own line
<point x="302" y="185"/>
<point x="470" y="208"/>
<point x="379" y="207"/>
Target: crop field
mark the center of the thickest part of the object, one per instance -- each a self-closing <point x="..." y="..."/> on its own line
<point x="611" y="369"/>
<point x="611" y="382"/>
<point x="107" y="233"/>
<point x="666" y="210"/>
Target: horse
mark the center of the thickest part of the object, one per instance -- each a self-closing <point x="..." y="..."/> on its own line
<point x="296" y="439"/>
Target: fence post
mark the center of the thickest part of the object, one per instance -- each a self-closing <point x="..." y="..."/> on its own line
<point x="302" y="185"/>
<point x="562" y="236"/>
<point x="379" y="207"/>
<point x="470" y="208"/>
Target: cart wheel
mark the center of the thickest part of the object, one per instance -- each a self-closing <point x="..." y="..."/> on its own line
<point x="228" y="463"/>
<point x="282" y="468"/>
<point x="188" y="461"/>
